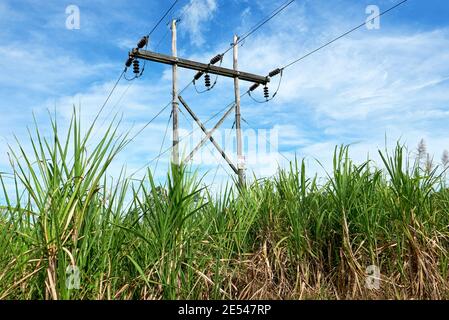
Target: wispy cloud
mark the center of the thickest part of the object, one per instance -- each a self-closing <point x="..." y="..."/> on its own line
<point x="195" y="14"/>
<point x="392" y="81"/>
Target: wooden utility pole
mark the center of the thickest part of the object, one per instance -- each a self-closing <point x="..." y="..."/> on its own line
<point x="240" y="158"/>
<point x="175" y="96"/>
<point x="204" y="69"/>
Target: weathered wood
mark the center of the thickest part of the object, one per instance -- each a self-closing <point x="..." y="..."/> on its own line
<point x="175" y="97"/>
<point x="240" y="159"/>
<point x="208" y="134"/>
<point x="193" y="65"/>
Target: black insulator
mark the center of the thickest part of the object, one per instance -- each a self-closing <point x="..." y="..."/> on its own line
<point x="274" y="72"/>
<point x="254" y="87"/>
<point x="266" y="92"/>
<point x="216" y="59"/>
<point x="198" y="75"/>
<point x="207" y="80"/>
<point x="136" y="66"/>
<point x="143" y="42"/>
<point x="129" y="62"/>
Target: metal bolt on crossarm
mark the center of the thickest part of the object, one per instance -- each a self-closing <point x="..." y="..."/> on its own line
<point x="206" y="69"/>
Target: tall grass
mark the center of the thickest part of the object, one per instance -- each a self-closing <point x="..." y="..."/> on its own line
<point x="287" y="237"/>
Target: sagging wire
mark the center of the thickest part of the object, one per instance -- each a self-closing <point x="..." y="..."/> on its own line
<point x="266" y="140"/>
<point x="343" y="35"/>
<point x="157" y="46"/>
<point x="280" y="70"/>
<point x="266" y="90"/>
<point x="230" y="105"/>
<point x="261" y="24"/>
<point x="145" y="62"/>
<point x="143" y="43"/>
<point x="240" y="42"/>
<point x="163" y="140"/>
<point x="207" y="82"/>
<point x="216" y="171"/>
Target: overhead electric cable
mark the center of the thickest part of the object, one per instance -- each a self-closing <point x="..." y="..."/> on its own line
<point x="342" y="36"/>
<point x="163" y="17"/>
<point x="280" y="70"/>
<point x="219" y="57"/>
<point x="231" y="105"/>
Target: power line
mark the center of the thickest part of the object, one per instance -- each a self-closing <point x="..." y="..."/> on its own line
<point x="154" y="28"/>
<point x="216" y="59"/>
<point x="116" y="106"/>
<point x="131" y="84"/>
<point x="188" y="135"/>
<point x="261" y="24"/>
<point x="216" y="171"/>
<point x="342" y="36"/>
<point x="163" y="17"/>
<point x="159" y="113"/>
<point x="280" y="70"/>
<point x="267" y="98"/>
<point x="113" y="89"/>
<point x="219" y="57"/>
<point x="127" y="89"/>
<point x="109" y="96"/>
<point x="162" y="39"/>
<point x="163" y="140"/>
<point x="121" y="98"/>
<point x="168" y="104"/>
<point x="144" y="43"/>
<point x="123" y="74"/>
<point x="244" y="120"/>
<point x="219" y="163"/>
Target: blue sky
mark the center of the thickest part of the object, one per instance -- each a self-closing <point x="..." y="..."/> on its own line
<point x="391" y="82"/>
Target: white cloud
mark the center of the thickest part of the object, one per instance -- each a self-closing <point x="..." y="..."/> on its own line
<point x="354" y="92"/>
<point x="358" y="90"/>
<point x="43" y="69"/>
<point x="392" y="82"/>
<point x="194" y="15"/>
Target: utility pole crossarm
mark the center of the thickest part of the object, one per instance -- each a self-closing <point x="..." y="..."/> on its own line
<point x="198" y="66"/>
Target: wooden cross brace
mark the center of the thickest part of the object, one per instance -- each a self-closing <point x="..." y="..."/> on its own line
<point x="208" y="134"/>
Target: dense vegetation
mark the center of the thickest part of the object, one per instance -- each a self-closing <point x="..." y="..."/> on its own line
<point x="287" y="237"/>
